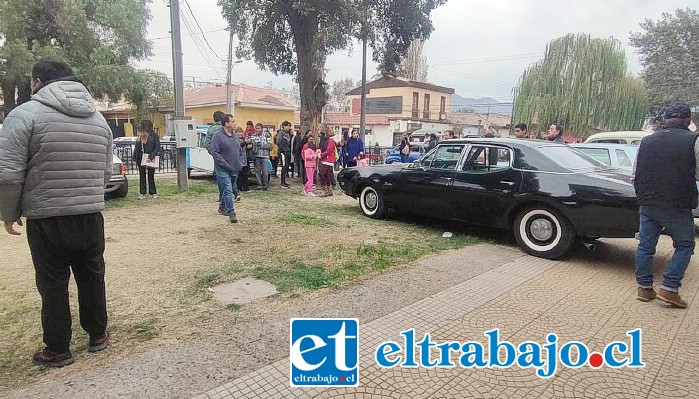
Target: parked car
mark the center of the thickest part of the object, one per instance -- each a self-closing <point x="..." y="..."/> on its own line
<point x="621" y="156"/>
<point x="417" y="149"/>
<point x="625" y="137"/>
<point x="118" y="186"/>
<point x="548" y="194"/>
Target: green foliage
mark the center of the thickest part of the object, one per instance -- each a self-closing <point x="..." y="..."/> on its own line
<point x="413" y="65"/>
<point x="338" y="93"/>
<point x="669" y="50"/>
<point x="582" y="83"/>
<point x="97" y="38"/>
<point x="296" y="36"/>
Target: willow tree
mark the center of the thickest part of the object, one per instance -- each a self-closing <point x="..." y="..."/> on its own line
<point x="99" y="39"/>
<point x="582" y="83"/>
<point x="296" y="36"/>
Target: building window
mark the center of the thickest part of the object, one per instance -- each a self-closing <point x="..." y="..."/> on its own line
<point x="442" y="105"/>
<point x="416" y="108"/>
<point x="426" y="109"/>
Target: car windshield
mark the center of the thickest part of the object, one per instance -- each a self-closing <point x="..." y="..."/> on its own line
<point x="571" y="158"/>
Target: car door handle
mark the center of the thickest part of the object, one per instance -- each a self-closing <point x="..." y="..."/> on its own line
<point x="509" y="183"/>
<point x="449" y="179"/>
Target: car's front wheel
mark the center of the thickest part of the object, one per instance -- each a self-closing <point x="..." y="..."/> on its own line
<point x="372" y="203"/>
<point x="543" y="232"/>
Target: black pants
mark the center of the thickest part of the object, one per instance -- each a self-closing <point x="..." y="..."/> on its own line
<point x="275" y="164"/>
<point x="243" y="181"/>
<point x="58" y="245"/>
<point x="285" y="159"/>
<point x="151" y="180"/>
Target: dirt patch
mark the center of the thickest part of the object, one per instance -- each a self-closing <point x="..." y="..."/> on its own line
<point x="158" y="278"/>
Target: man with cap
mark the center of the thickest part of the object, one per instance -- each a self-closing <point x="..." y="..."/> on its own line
<point x="666" y="170"/>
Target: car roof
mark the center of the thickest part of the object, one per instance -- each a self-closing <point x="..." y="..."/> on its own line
<point x="605" y="145"/>
<point x="506" y="141"/>
<point x="627" y="134"/>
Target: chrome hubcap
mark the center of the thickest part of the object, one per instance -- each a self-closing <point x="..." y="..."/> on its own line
<point x="541" y="229"/>
<point x="370" y="200"/>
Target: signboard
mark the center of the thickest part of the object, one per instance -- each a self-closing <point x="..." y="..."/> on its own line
<point x="384" y="105"/>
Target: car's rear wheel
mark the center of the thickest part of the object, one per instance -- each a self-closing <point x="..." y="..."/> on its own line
<point x="122" y="191"/>
<point x="372" y="203"/>
<point x="543" y="232"/>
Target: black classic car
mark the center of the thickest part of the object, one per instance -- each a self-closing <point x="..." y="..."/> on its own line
<point x="547" y="193"/>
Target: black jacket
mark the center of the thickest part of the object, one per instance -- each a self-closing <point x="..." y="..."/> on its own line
<point x="152" y="148"/>
<point x="665" y="169"/>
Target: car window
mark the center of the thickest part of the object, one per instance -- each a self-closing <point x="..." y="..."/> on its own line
<point x="611" y="141"/>
<point x="600" y="154"/>
<point x="570" y="158"/>
<point x="446" y="156"/>
<point x="487" y="159"/>
<point x="623" y="158"/>
<point x="636" y="142"/>
<point x="426" y="160"/>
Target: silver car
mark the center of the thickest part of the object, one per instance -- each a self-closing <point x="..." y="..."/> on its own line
<point x="620" y="156"/>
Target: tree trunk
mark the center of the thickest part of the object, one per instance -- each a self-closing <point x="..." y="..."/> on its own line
<point x="309" y="73"/>
<point x="8" y="96"/>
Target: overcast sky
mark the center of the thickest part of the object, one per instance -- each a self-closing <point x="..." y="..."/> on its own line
<point x="479" y="48"/>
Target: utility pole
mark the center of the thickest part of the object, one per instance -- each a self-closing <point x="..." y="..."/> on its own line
<point x="362" y="116"/>
<point x="229" y="108"/>
<point x="178" y="77"/>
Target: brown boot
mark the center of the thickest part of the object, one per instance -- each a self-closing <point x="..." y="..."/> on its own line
<point x="671" y="297"/>
<point x="324" y="191"/>
<point x="646" y="294"/>
<point x="330" y="191"/>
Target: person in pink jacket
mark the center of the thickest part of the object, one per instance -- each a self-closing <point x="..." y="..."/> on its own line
<point x="309" y="158"/>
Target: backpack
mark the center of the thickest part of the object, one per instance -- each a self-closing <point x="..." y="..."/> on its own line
<point x="210" y="133"/>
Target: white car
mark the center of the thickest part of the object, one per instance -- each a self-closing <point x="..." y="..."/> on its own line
<point x="118" y="186"/>
<point x="620" y="156"/>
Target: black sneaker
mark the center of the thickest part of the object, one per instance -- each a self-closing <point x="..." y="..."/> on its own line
<point x="233" y="218"/>
<point x="285" y="185"/>
<point x="98" y="344"/>
<point x="50" y="358"/>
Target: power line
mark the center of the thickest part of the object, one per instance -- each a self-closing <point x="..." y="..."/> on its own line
<point x="188" y="34"/>
<point x="201" y="30"/>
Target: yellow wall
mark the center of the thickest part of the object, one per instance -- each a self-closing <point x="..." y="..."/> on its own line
<point x="407" y="94"/>
<point x="268" y="117"/>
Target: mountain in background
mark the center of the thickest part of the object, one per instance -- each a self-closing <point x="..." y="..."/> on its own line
<point x="480" y="105"/>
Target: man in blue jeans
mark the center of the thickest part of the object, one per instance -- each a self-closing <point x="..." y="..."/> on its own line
<point x="666" y="170"/>
<point x="228" y="160"/>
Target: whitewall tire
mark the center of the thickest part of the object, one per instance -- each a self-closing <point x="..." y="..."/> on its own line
<point x="543" y="232"/>
<point x="372" y="203"/>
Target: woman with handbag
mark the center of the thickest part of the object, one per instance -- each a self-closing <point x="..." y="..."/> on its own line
<point x="146" y="155"/>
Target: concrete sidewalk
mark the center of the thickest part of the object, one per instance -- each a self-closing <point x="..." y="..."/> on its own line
<point x="588" y="297"/>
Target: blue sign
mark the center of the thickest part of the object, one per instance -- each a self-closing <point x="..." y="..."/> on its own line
<point x="324" y="352"/>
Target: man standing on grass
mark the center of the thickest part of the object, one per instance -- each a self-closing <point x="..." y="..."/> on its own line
<point x="229" y="161"/>
<point x="284" y="151"/>
<point x="55" y="159"/>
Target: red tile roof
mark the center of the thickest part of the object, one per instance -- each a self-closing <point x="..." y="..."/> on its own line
<point x="345" y="119"/>
<point x="243" y="95"/>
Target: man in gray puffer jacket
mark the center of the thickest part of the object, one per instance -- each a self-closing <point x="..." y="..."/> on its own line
<point x="55" y="159"/>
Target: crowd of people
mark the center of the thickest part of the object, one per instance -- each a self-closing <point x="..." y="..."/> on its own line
<point x="280" y="155"/>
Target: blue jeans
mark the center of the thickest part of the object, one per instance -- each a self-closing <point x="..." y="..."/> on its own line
<point x="679" y="225"/>
<point x="226" y="182"/>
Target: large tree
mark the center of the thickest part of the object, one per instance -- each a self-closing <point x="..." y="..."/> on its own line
<point x="98" y="39"/>
<point x="669" y="50"/>
<point x="413" y="64"/>
<point x="582" y="83"/>
<point x="296" y="36"/>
